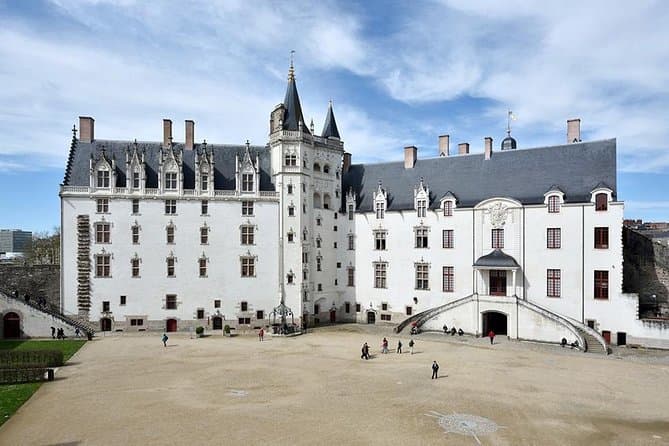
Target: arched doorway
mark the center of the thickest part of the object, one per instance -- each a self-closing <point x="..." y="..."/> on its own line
<point x="105" y="324"/>
<point x="12" y="326"/>
<point x="171" y="325"/>
<point x="333" y="316"/>
<point x="371" y="317"/>
<point x="217" y="323"/>
<point x="495" y="321"/>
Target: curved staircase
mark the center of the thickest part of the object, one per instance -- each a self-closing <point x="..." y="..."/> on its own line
<point x="426" y="315"/>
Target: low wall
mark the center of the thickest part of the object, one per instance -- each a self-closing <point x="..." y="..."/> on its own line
<point x="37" y="281"/>
<point x="34" y="323"/>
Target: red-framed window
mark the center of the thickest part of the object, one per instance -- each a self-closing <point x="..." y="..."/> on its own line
<point x="553" y="277"/>
<point x="602" y="238"/>
<point x="447" y="238"/>
<point x="601" y="284"/>
<point x="553" y="238"/>
<point x="553" y="204"/>
<point x="498" y="238"/>
<point x="601" y="201"/>
<point x="449" y="279"/>
<point x="448" y="208"/>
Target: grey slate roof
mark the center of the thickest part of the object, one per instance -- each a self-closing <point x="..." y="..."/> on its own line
<point x="293" y="114"/>
<point x="522" y="174"/>
<point x="330" y="128"/>
<point x="77" y="171"/>
<point x="496" y="259"/>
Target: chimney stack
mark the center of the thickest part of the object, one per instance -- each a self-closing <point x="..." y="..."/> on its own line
<point x="573" y="130"/>
<point x="190" y="134"/>
<point x="167" y="132"/>
<point x="487" y="147"/>
<point x="444" y="145"/>
<point x="347" y="162"/>
<point x="463" y="148"/>
<point x="410" y="156"/>
<point x="86" y="129"/>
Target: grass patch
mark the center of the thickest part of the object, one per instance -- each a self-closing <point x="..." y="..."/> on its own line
<point x="12" y="396"/>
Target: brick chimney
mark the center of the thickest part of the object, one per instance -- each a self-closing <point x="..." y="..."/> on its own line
<point x="410" y="156"/>
<point x="167" y="132"/>
<point x="346" y="163"/>
<point x="573" y="130"/>
<point x="190" y="134"/>
<point x="86" y="129"/>
<point x="463" y="148"/>
<point x="487" y="147"/>
<point x="444" y="145"/>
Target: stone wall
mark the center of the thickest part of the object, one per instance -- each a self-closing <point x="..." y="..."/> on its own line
<point x="34" y="323"/>
<point x="37" y="280"/>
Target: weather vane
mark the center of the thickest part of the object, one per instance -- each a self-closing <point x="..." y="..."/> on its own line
<point x="510" y="117"/>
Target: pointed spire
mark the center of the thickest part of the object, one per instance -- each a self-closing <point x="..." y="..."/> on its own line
<point x="293" y="115"/>
<point x="330" y="128"/>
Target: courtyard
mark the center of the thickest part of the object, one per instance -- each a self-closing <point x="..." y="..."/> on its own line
<point x="129" y="389"/>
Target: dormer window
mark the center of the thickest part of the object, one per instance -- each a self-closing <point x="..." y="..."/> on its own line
<point x="247" y="182"/>
<point x="204" y="182"/>
<point x="103" y="178"/>
<point x="448" y="208"/>
<point x="553" y="204"/>
<point x="380" y="210"/>
<point x="171" y="181"/>
<point x="135" y="180"/>
<point x="421" y="208"/>
<point x="601" y="201"/>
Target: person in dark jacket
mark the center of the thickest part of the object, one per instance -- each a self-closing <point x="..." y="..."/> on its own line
<point x="435" y="370"/>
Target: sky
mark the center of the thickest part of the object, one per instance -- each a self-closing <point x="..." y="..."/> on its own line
<point x="398" y="73"/>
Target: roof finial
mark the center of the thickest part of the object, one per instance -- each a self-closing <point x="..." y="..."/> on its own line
<point x="74" y="131"/>
<point x="510" y="117"/>
<point x="291" y="70"/>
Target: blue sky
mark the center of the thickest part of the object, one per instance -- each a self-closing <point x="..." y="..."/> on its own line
<point x="399" y="73"/>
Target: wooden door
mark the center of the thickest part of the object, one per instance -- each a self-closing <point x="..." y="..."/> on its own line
<point x="171" y="325"/>
<point x="606" y="334"/>
<point x="105" y="324"/>
<point x="218" y="323"/>
<point x="12" y="326"/>
<point x="497" y="282"/>
<point x="371" y="317"/>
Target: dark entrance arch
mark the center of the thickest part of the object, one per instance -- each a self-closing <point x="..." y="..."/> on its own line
<point x="333" y="316"/>
<point x="371" y="317"/>
<point x="12" y="326"/>
<point x="105" y="324"/>
<point x="171" y="325"/>
<point x="495" y="321"/>
<point x="217" y="323"/>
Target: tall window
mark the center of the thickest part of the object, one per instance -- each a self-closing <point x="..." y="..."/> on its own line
<point x="170" y="267"/>
<point x="601" y="284"/>
<point x="350" y="212"/>
<point x="601" y="202"/>
<point x="380" y="209"/>
<point x="102" y="233"/>
<point x="553" y="282"/>
<point x="448" y="279"/>
<point x="602" y="238"/>
<point x="291" y="211"/>
<point x="247" y="234"/>
<point x="291" y="159"/>
<point x="170" y="207"/>
<point x="380" y="240"/>
<point x="103" y="265"/>
<point x="204" y="235"/>
<point x="553" y="204"/>
<point x="204" y="182"/>
<point x="290" y="188"/>
<point x="498" y="238"/>
<point x="247" y="208"/>
<point x="553" y="238"/>
<point x="447" y="238"/>
<point x="135" y="180"/>
<point x="319" y="264"/>
<point x="422" y="276"/>
<point x="247" y="182"/>
<point x="135" y="234"/>
<point x="351" y="276"/>
<point x="134" y="266"/>
<point x="248" y="266"/>
<point x="448" y="208"/>
<point x="169" y="232"/>
<point x="421" y="208"/>
<point x="204" y="207"/>
<point x="380" y="274"/>
<point x="102" y="205"/>
<point x="135" y="206"/>
<point x="103" y="178"/>
<point x="351" y="242"/>
<point x="171" y="181"/>
<point x="421" y="237"/>
<point x="203" y="267"/>
<point x="244" y="306"/>
<point x="171" y="302"/>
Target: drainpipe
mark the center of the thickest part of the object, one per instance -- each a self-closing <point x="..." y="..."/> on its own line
<point x="583" y="264"/>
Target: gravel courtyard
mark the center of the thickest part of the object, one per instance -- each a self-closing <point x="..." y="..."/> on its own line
<point x="315" y="389"/>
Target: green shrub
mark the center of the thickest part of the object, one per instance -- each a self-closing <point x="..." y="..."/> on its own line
<point x="22" y="375"/>
<point x="226" y="329"/>
<point x="23" y="358"/>
<point x="199" y="330"/>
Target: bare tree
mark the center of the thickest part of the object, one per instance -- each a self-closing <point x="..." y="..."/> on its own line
<point x="45" y="248"/>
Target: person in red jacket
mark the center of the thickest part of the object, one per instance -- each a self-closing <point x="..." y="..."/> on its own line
<point x="491" y="335"/>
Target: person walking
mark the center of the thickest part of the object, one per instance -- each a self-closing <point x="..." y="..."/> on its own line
<point x="164" y="339"/>
<point x="399" y="346"/>
<point x="365" y="351"/>
<point x="435" y="370"/>
<point x="261" y="334"/>
<point x="491" y="335"/>
<point x="384" y="346"/>
<point x="53" y="332"/>
<point x="77" y="333"/>
<point x="411" y="344"/>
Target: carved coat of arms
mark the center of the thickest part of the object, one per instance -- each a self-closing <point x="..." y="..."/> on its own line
<point x="498" y="213"/>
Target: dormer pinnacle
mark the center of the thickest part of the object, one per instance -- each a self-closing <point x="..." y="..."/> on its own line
<point x="330" y="128"/>
<point x="293" y="109"/>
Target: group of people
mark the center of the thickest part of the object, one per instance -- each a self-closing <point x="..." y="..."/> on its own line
<point x="60" y="333"/>
<point x="453" y="331"/>
<point x="384" y="348"/>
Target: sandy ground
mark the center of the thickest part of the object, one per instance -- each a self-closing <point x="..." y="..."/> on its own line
<point x="315" y="389"/>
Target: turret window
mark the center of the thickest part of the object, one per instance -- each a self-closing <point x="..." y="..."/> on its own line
<point x="291" y="159"/>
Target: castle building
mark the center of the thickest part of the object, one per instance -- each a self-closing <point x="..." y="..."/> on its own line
<point x="167" y="235"/>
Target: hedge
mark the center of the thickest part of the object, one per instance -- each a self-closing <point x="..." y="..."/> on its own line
<point x="22" y="375"/>
<point x="27" y="358"/>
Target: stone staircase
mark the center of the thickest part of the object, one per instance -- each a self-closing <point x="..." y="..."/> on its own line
<point x="592" y="344"/>
<point x="420" y="318"/>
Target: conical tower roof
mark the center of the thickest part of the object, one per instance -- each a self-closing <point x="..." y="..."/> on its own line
<point x="291" y="102"/>
<point x="330" y="128"/>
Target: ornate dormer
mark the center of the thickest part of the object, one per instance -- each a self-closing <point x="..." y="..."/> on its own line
<point x="102" y="171"/>
<point x="170" y="170"/>
<point x="448" y="203"/>
<point x="247" y="174"/>
<point x="554" y="199"/>
<point x="135" y="169"/>
<point x="351" y="204"/>
<point x="601" y="195"/>
<point x="380" y="201"/>
<point x="204" y="171"/>
<point x="421" y="198"/>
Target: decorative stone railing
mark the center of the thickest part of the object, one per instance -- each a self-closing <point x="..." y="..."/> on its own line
<point x="124" y="191"/>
